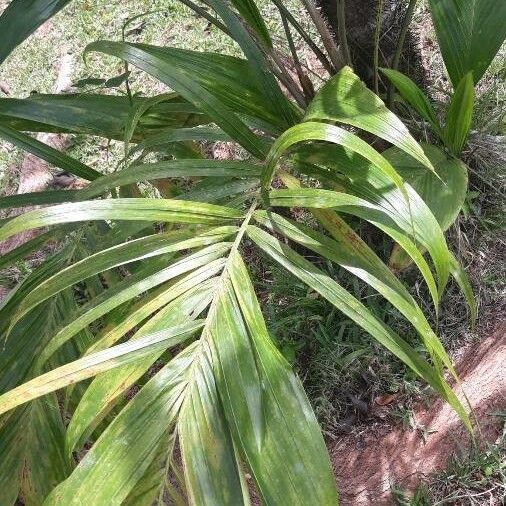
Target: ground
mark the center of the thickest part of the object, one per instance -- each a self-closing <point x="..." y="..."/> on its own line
<point x="371" y="409"/>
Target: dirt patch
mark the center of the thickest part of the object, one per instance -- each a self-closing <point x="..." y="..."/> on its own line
<point x="365" y="469"/>
<point x="34" y="174"/>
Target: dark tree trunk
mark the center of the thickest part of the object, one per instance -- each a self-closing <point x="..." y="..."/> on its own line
<point x="360" y="27"/>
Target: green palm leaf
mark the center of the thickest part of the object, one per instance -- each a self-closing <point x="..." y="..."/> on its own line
<point x="19" y="20"/>
<point x="313" y="131"/>
<point x="414" y="96"/>
<point x="355" y="310"/>
<point x="129" y="444"/>
<point x="153" y="296"/>
<point x="366" y="181"/>
<point x="397" y="226"/>
<point x="291" y="444"/>
<point x="129" y="209"/>
<point x="212" y="472"/>
<point x="138" y="249"/>
<point x="349" y="251"/>
<point x="253" y="18"/>
<point x="47" y="153"/>
<point x="469" y="32"/>
<point x="171" y="169"/>
<point x="104" y="390"/>
<point x="158" y="63"/>
<point x="94" y="364"/>
<point x="103" y="115"/>
<point x="459" y="115"/>
<point x="128" y="289"/>
<point x="346" y="99"/>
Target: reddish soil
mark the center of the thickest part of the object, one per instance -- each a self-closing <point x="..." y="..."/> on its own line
<point x="365" y="469"/>
<point x="34" y="173"/>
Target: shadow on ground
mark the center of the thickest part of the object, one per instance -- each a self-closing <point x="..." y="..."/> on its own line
<point x="366" y="470"/>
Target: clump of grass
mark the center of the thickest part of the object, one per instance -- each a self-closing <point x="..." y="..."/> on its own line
<point x="477" y="478"/>
<point x="419" y="498"/>
<point x="342" y="368"/>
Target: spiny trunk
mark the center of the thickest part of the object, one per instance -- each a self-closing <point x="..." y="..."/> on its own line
<point x="360" y="27"/>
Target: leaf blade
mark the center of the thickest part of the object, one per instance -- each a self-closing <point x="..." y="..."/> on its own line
<point x="469" y="32"/>
<point x="19" y="20"/>
<point x="171" y="168"/>
<point x="94" y="364"/>
<point x="211" y="471"/>
<point x="291" y="464"/>
<point x="345" y="98"/>
<point x="311" y="130"/>
<point x="459" y="115"/>
<point x="414" y="96"/>
<point x="128" y="209"/>
<point x="48" y="153"/>
<point x="155" y="62"/>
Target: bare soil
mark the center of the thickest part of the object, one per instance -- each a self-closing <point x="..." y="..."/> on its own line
<point x="366" y="467"/>
<point x="34" y="173"/>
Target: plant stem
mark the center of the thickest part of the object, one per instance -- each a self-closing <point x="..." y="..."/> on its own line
<point x="400" y="45"/>
<point x="375" y="56"/>
<point x="202" y="12"/>
<point x="282" y="74"/>
<point x="341" y="30"/>
<point x="327" y="39"/>
<point x="305" y="36"/>
<point x="305" y="83"/>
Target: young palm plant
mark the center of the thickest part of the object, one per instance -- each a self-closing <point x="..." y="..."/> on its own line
<point x="140" y="346"/>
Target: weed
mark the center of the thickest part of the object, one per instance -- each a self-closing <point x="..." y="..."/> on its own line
<point x="474" y="479"/>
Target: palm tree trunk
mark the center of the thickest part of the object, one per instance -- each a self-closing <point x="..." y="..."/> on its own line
<point x="360" y="26"/>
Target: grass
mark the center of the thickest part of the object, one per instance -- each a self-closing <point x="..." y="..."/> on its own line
<point x="33" y="67"/>
<point x="477" y="478"/>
